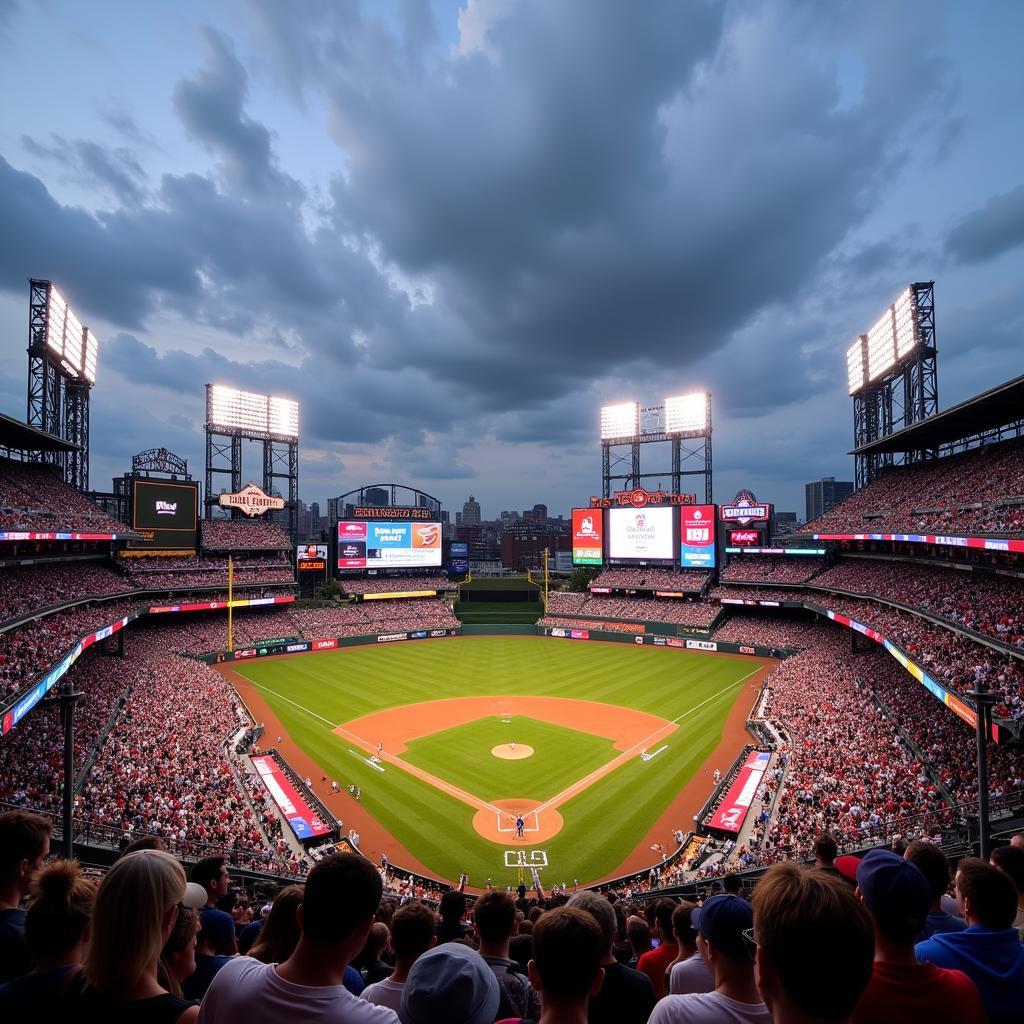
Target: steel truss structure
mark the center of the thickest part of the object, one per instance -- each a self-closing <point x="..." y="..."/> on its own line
<point x="57" y="399"/>
<point x="906" y="395"/>
<point x="689" y="456"/>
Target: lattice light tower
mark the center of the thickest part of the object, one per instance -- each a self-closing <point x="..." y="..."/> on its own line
<point x="892" y="376"/>
<point x="234" y="416"/>
<point x="62" y="356"/>
<point x="682" y="425"/>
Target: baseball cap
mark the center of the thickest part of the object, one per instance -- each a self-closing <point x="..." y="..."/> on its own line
<point x="217" y="927"/>
<point x="722" y="921"/>
<point x="847" y="866"/>
<point x="195" y="896"/>
<point x="450" y="983"/>
<point x="894" y="889"/>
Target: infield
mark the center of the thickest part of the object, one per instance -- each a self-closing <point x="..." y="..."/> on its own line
<point x="440" y="707"/>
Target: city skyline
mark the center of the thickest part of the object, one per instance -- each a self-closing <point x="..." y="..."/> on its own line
<point x="453" y="231"/>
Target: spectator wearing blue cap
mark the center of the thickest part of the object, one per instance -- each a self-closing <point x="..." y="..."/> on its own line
<point x="897" y="896"/>
<point x="989" y="950"/>
<point x="720" y="925"/>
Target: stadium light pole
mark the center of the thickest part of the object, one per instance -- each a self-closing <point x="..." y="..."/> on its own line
<point x="983" y="701"/>
<point x="66" y="700"/>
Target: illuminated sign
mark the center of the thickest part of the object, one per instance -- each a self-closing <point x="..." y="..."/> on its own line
<point x="697" y="537"/>
<point x="391" y="545"/>
<point x="392" y="512"/>
<point x="640" y="534"/>
<point x="252" y="500"/>
<point x="744" y="538"/>
<point x="640" y="498"/>
<point x="587" y="537"/>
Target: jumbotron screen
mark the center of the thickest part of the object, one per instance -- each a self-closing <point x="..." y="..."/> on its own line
<point x="641" y="534"/>
<point x="394" y="545"/>
<point x="164" y="514"/>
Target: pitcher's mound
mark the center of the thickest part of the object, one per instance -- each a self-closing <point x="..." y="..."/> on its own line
<point x="507" y="753"/>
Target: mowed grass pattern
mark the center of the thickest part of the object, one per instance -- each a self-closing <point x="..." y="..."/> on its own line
<point x="463" y="756"/>
<point x="315" y="692"/>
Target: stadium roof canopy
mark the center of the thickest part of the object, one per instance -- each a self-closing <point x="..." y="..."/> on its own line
<point x="21" y="437"/>
<point x="998" y="407"/>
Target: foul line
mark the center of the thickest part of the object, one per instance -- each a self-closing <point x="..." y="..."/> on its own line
<point x="627" y="754"/>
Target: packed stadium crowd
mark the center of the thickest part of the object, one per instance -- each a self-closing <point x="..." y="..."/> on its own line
<point x="240" y="535"/>
<point x="392" y="615"/>
<point x="961" y="493"/>
<point x="393" y="585"/>
<point x="672" y="610"/>
<point x="751" y="628"/>
<point x="33" y="498"/>
<point x="176" y="572"/>
<point x="770" y="569"/>
<point x="988" y="603"/>
<point x="653" y="579"/>
<point x="31" y="588"/>
<point x="845" y="939"/>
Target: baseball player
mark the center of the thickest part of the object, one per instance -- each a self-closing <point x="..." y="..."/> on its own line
<point x="520" y="826"/>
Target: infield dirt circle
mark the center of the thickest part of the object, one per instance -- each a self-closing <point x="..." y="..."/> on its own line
<point x="516" y="753"/>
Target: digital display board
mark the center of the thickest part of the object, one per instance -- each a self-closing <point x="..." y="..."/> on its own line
<point x="587" y="536"/>
<point x="697" y="536"/>
<point x="744" y="538"/>
<point x="641" y="534"/>
<point x="458" y="558"/>
<point x="311" y="557"/>
<point x="164" y="514"/>
<point x="395" y="545"/>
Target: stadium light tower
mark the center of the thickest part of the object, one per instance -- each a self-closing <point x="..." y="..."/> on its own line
<point x="62" y="357"/>
<point x="232" y="416"/>
<point x="683" y="421"/>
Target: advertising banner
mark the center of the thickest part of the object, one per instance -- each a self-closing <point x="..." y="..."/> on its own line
<point x="303" y="821"/>
<point x="164" y="514"/>
<point x="697" y="536"/>
<point x="325" y="645"/>
<point x="311" y="557"/>
<point x="732" y="811"/>
<point x="395" y="545"/>
<point x="701" y="645"/>
<point x="744" y="538"/>
<point x="587" y="537"/>
<point x="982" y="543"/>
<point x="640" y="535"/>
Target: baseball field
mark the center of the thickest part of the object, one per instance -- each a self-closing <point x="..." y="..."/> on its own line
<point x="594" y="751"/>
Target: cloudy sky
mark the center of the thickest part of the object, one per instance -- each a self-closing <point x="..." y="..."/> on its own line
<point x="453" y="231"/>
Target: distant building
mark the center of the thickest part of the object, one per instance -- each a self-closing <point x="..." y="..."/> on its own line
<point x="471" y="512"/>
<point x="785" y="522"/>
<point x="824" y="494"/>
<point x="376" y="496"/>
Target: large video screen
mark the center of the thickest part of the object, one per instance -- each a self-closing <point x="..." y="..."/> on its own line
<point x="697" y="537"/>
<point x="587" y="536"/>
<point x="164" y="514"/>
<point x="641" y="534"/>
<point x="397" y="545"/>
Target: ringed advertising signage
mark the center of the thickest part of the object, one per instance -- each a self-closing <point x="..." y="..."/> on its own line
<point x="697" y="537"/>
<point x="587" y="537"/>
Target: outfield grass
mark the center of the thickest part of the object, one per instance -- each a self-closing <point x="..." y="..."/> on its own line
<point x="315" y="692"/>
<point x="463" y="756"/>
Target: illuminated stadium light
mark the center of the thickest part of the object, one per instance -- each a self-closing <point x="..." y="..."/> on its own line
<point x="686" y="414"/>
<point x="881" y="346"/>
<point x="905" y="316"/>
<point x="73" y="341"/>
<point x="56" y="313"/>
<point x="856" y="369"/>
<point x="90" y="349"/>
<point x="622" y="420"/>
<point x="231" y="409"/>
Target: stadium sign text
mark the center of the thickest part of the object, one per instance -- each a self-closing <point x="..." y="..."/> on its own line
<point x="639" y="498"/>
<point x="252" y="500"/>
<point x="394" y="512"/>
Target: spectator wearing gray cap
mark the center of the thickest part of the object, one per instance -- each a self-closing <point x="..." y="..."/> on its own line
<point x="720" y="925"/>
<point x="626" y="996"/>
<point x="450" y="983"/>
<point x="897" y="896"/>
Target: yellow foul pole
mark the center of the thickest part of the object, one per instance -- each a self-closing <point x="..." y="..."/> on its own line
<point x="545" y="579"/>
<point x="231" y="587"/>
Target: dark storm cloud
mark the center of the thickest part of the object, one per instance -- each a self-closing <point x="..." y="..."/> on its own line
<point x="993" y="229"/>
<point x="211" y="106"/>
<point x="115" y="170"/>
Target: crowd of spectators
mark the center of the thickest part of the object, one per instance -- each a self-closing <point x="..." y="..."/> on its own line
<point x="990" y="604"/>
<point x="387" y="616"/>
<point x="673" y="580"/>
<point x="30" y="588"/>
<point x="960" y="493"/>
<point x="633" y="609"/>
<point x="242" y="535"/>
<point x="32" y="497"/>
<point x="750" y="628"/>
<point x="782" y="569"/>
<point x="394" y="584"/>
<point x="177" y="572"/>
